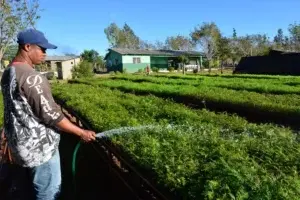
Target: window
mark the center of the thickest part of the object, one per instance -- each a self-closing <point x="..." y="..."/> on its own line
<point x="136" y="60"/>
<point x="116" y="61"/>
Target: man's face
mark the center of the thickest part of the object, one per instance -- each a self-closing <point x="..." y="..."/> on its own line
<point x="37" y="54"/>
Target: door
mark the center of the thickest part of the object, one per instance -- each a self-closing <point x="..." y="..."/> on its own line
<point x="59" y="70"/>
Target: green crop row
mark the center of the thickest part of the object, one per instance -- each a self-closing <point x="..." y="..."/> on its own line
<point x="238" y="76"/>
<point x="280" y="107"/>
<point x="271" y="86"/>
<point x="204" y="156"/>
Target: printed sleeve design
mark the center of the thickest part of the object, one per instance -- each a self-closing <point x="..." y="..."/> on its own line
<point x="38" y="93"/>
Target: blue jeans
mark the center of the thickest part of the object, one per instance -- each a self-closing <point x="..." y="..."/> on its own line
<point x="46" y="179"/>
<point x="37" y="183"/>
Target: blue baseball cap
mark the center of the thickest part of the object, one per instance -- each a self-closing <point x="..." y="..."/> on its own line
<point x="32" y="36"/>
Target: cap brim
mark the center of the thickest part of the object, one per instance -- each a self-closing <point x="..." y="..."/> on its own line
<point x="48" y="46"/>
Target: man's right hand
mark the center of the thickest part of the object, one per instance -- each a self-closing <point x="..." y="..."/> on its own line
<point x="88" y="136"/>
<point x="67" y="126"/>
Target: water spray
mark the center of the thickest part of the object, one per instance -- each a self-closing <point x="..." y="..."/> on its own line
<point x="107" y="134"/>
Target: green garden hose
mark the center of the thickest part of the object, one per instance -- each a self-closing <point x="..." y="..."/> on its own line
<point x="74" y="163"/>
<point x="102" y="135"/>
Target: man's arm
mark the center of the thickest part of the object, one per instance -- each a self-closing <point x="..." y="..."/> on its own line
<point x="67" y="126"/>
<point x="36" y="89"/>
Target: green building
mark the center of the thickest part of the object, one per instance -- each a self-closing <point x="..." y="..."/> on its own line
<point x="132" y="60"/>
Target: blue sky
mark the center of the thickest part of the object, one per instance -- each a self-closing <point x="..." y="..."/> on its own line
<point x="78" y="25"/>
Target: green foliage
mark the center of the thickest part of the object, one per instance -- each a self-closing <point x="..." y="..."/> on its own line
<point x="179" y="43"/>
<point x="221" y="93"/>
<point x="207" y="36"/>
<point x="183" y="59"/>
<point x="279" y="39"/>
<point x="100" y="63"/>
<point x="118" y="73"/>
<point x="10" y="52"/>
<point x="214" y="63"/>
<point x="155" y="69"/>
<point x="171" y="69"/>
<point x="224" y="51"/>
<point x="83" y="70"/>
<point x="93" y="57"/>
<point x="294" y="39"/>
<point x="90" y="56"/>
<point x="209" y="156"/>
<point x="252" y="45"/>
<point x="234" y="34"/>
<point x="112" y="73"/>
<point x="141" y="71"/>
<point x="122" y="37"/>
<point x="124" y="71"/>
<point x="205" y="63"/>
<point x="15" y="16"/>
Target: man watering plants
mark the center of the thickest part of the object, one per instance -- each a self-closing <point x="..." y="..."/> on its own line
<point x="32" y="118"/>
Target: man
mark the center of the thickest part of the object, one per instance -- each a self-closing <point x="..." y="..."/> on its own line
<point x="32" y="118"/>
<point x="147" y="70"/>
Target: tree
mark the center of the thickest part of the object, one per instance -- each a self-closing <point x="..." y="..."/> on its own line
<point x="179" y="42"/>
<point x="224" y="51"/>
<point x="234" y="35"/>
<point x="146" y="45"/>
<point x="122" y="38"/>
<point x="245" y="46"/>
<point x="100" y="63"/>
<point x="253" y="45"/>
<point x="10" y="52"/>
<point x="16" y="15"/>
<point x="90" y="55"/>
<point x="279" y="39"/>
<point x="184" y="60"/>
<point x="294" y="30"/>
<point x="160" y="45"/>
<point x="113" y="34"/>
<point x="207" y="36"/>
<point x="287" y="44"/>
<point x="260" y="44"/>
<point x="83" y="70"/>
<point x="131" y="40"/>
<point x="233" y="45"/>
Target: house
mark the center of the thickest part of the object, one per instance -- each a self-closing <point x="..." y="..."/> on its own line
<point x="62" y="64"/>
<point x="133" y="60"/>
<point x="276" y="63"/>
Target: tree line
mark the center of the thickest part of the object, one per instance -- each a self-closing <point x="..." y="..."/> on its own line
<point x="208" y="38"/>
